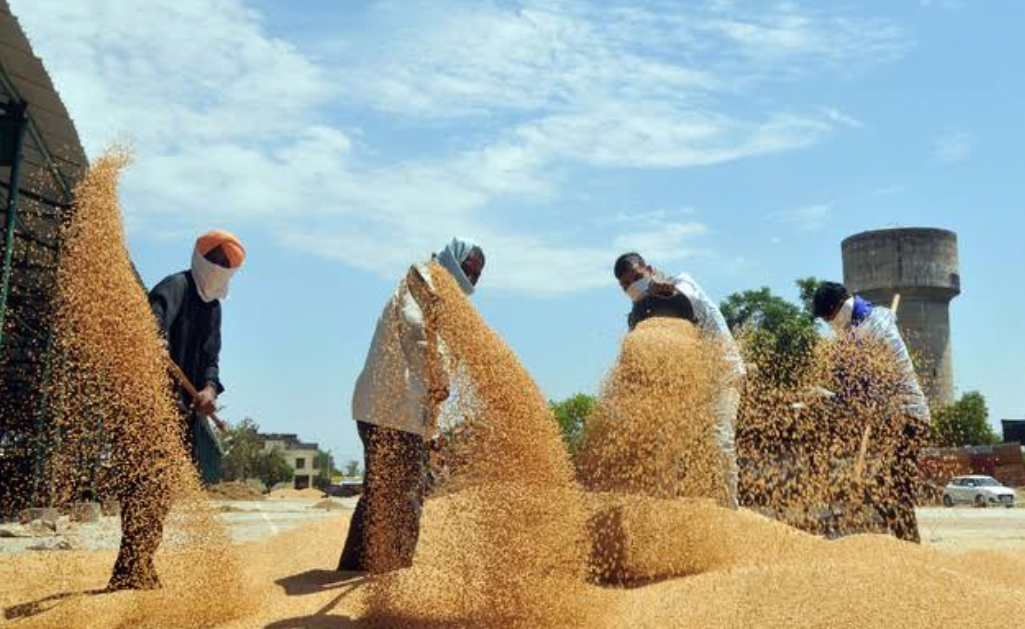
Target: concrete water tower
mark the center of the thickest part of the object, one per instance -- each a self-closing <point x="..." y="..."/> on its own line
<point x="920" y="264"/>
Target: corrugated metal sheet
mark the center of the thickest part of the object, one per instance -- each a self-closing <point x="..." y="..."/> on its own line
<point x="52" y="165"/>
<point x="56" y="135"/>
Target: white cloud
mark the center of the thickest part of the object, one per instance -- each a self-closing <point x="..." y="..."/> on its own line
<point x="666" y="241"/>
<point x="843" y="119"/>
<point x="790" y="31"/>
<point x="942" y="4"/>
<point x="952" y="148"/>
<point x="806" y="218"/>
<point x="233" y="125"/>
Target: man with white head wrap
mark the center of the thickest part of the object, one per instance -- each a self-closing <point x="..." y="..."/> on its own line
<point x="656" y="294"/>
<point x="396" y="407"/>
<point x="187" y="307"/>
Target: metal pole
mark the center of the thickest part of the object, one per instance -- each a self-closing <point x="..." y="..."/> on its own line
<point x="17" y="112"/>
<point x="42" y="414"/>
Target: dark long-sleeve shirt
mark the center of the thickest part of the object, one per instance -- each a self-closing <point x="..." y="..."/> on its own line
<point x="191" y="326"/>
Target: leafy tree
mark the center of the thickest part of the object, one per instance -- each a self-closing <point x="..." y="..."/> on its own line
<point x="758" y="308"/>
<point x="778" y="336"/>
<point x="352" y="469"/>
<point x="807" y="287"/>
<point x="272" y="468"/>
<point x="964" y="423"/>
<point x="325" y="470"/>
<point x="244" y="447"/>
<point x="571" y="415"/>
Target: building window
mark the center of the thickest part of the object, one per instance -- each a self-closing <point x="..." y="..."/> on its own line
<point x="302" y="482"/>
<point x="300" y="463"/>
<point x="316" y="462"/>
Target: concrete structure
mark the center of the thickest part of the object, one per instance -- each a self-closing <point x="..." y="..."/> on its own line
<point x="921" y="264"/>
<point x="301" y="456"/>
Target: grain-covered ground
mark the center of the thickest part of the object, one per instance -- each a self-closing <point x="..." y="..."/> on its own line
<point x="289" y="580"/>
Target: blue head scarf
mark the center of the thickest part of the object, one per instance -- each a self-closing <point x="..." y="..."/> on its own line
<point x="452" y="258"/>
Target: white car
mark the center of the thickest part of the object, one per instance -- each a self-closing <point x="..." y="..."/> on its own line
<point x="982" y="491"/>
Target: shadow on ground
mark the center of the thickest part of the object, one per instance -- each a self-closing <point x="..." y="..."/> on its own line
<point x="314" y="582"/>
<point x="34" y="608"/>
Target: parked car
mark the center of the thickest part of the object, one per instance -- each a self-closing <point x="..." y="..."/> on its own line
<point x="982" y="491"/>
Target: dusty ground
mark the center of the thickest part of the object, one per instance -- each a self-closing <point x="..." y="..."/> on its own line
<point x="246" y="520"/>
<point x="957" y="528"/>
<point x="289" y="551"/>
<point x="289" y="579"/>
<point x="967" y="528"/>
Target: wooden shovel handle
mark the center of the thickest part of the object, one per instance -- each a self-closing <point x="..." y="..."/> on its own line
<point x="189" y="387"/>
<point x="859" y="465"/>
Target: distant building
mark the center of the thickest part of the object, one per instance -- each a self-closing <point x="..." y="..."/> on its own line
<point x="1003" y="462"/>
<point x="301" y="456"/>
<point x="1014" y="430"/>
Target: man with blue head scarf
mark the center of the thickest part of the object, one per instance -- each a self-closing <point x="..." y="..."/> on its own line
<point x="395" y="404"/>
<point x="854" y="317"/>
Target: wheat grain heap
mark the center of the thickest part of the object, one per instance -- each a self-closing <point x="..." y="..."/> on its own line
<point x="651" y="436"/>
<point x="116" y="431"/>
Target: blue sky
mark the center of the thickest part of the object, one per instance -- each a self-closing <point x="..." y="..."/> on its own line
<point x="739" y="141"/>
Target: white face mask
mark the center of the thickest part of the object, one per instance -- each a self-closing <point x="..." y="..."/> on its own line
<point x="842" y="320"/>
<point x="638" y="289"/>
<point x="211" y="279"/>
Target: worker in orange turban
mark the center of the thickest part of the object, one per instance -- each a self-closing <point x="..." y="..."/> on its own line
<point x="187" y="307"/>
<point x="217" y="256"/>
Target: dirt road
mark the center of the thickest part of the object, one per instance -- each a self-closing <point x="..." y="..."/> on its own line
<point x="967" y="528"/>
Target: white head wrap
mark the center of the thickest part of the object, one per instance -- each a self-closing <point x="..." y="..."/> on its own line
<point x="639" y="289"/>
<point x="842" y="320"/>
<point x="211" y="279"/>
<point x="452" y="258"/>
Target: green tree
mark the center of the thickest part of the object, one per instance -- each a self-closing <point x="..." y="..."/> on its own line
<point x="272" y="468"/>
<point x="244" y="446"/>
<point x="777" y="335"/>
<point x="807" y="286"/>
<point x="571" y="415"/>
<point x="352" y="469"/>
<point x="964" y="423"/>
<point x="325" y="470"/>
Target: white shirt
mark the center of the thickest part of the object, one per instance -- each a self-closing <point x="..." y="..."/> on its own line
<point x="711" y="322"/>
<point x="391" y="391"/>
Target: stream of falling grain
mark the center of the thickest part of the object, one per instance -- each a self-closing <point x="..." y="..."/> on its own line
<point x="117" y="431"/>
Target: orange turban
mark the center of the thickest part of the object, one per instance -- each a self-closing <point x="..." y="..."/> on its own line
<point x="227" y="241"/>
